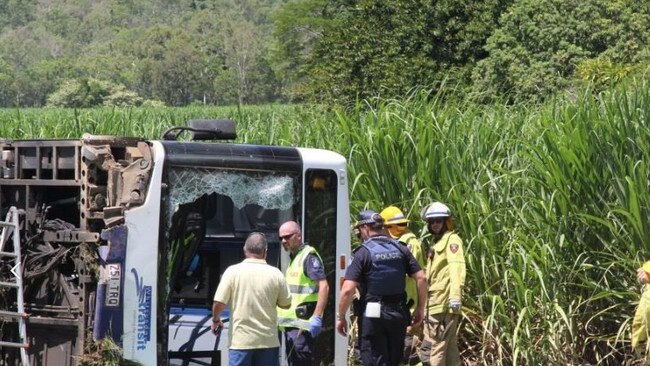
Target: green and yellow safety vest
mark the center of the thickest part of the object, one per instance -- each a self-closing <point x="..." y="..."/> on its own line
<point x="302" y="288"/>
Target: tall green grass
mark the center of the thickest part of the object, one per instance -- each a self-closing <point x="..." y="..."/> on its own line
<point x="552" y="201"/>
<point x="271" y="124"/>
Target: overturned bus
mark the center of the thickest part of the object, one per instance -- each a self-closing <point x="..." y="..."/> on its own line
<point x="119" y="242"/>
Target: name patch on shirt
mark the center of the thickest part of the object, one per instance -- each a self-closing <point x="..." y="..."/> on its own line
<point x="388" y="256"/>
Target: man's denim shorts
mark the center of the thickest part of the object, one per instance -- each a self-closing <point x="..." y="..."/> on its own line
<point x="254" y="357"/>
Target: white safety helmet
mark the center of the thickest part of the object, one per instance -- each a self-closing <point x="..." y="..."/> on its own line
<point x="436" y="209"/>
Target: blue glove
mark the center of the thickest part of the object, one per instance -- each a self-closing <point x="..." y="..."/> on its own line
<point x="315" y="325"/>
<point x="454" y="304"/>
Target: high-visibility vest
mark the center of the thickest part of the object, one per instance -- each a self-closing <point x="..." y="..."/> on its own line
<point x="302" y="288"/>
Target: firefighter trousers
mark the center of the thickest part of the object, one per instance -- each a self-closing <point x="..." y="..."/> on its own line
<point x="440" y="344"/>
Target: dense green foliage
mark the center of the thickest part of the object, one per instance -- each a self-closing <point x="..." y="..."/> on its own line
<point x="539" y="44"/>
<point x="384" y="47"/>
<point x="179" y="52"/>
<point x="552" y="201"/>
<point x="184" y="52"/>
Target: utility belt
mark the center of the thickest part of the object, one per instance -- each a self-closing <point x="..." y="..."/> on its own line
<point x="303" y="312"/>
<point x="374" y="304"/>
<point x="387" y="299"/>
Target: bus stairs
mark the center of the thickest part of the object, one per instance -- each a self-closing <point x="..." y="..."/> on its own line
<point x="11" y="231"/>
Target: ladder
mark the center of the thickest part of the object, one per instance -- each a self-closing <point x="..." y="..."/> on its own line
<point x="11" y="230"/>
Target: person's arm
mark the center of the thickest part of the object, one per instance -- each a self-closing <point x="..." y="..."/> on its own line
<point x="347" y="294"/>
<point x="284" y="297"/>
<point x="321" y="303"/>
<point x="313" y="268"/>
<point x="284" y="306"/>
<point x="217" y="309"/>
<point x="316" y="321"/>
<point x="642" y="276"/>
<point x="422" y="287"/>
<point x="456" y="260"/>
<point x="222" y="297"/>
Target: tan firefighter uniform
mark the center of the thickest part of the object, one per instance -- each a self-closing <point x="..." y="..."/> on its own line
<point x="446" y="277"/>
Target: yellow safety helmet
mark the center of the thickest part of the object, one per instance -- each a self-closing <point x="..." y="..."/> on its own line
<point x="393" y="216"/>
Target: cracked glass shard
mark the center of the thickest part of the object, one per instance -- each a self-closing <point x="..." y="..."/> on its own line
<point x="270" y="190"/>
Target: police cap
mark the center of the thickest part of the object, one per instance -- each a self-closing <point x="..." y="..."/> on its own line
<point x="369" y="217"/>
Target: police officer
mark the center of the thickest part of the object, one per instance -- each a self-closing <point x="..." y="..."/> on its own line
<point x="446" y="278"/>
<point x="378" y="270"/>
<point x="308" y="286"/>
<point x="397" y="227"/>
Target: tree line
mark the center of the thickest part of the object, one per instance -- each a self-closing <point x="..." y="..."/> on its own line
<point x="83" y="53"/>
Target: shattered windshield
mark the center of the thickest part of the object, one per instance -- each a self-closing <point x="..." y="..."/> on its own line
<point x="238" y="201"/>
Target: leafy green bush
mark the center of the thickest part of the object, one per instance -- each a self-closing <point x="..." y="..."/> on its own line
<point x="602" y="72"/>
<point x="153" y="103"/>
<point x="79" y="93"/>
<point x="88" y="92"/>
<point x="120" y="97"/>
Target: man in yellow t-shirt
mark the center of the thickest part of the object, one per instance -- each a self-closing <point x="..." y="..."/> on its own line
<point x="254" y="290"/>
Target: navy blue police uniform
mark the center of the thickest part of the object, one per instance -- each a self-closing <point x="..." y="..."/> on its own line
<point x="379" y="267"/>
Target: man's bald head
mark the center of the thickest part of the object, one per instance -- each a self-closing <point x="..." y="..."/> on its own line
<point x="256" y="245"/>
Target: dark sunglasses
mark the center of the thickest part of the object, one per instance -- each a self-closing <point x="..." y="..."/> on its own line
<point x="287" y="237"/>
<point x="436" y="221"/>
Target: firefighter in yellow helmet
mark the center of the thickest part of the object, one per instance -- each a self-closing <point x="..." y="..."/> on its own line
<point x="446" y="278"/>
<point x="640" y="326"/>
<point x="397" y="226"/>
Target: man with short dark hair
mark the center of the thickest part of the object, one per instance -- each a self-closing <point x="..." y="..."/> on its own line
<point x="378" y="270"/>
<point x="254" y="290"/>
<point x="308" y="286"/>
